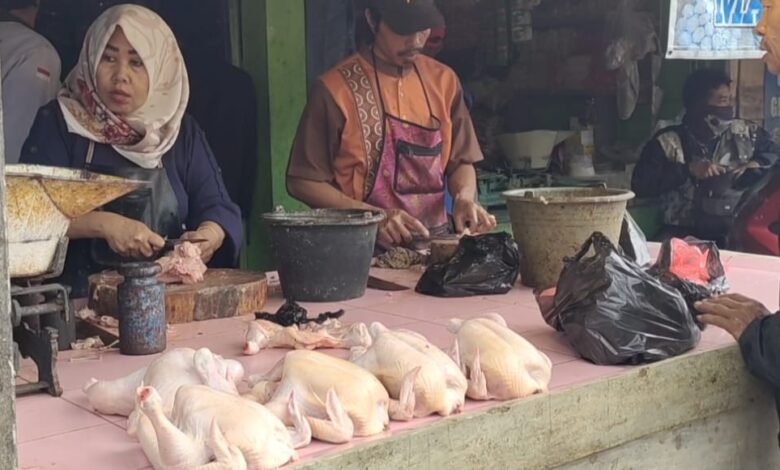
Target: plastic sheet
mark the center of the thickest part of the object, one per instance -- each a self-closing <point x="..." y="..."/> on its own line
<point x="483" y="265"/>
<point x="613" y="312"/>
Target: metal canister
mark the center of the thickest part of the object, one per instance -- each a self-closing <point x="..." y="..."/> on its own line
<point x="141" y="302"/>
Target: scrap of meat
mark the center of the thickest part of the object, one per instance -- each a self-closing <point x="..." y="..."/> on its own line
<point x="399" y="258"/>
<point x="291" y="314"/>
<point x="262" y="334"/>
<point x="182" y="265"/>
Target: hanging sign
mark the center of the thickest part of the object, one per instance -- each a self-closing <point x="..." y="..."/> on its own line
<point x="714" y="29"/>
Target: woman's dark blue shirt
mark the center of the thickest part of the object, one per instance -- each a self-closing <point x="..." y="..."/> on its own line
<point x="189" y="164"/>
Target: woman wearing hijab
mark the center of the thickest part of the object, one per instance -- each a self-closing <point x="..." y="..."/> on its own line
<point x="122" y="112"/>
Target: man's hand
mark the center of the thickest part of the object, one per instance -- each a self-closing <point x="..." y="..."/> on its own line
<point x="399" y="227"/>
<point x="130" y="238"/>
<point x="214" y="236"/>
<point x="703" y="169"/>
<point x="751" y="165"/>
<point x="731" y="312"/>
<point x="470" y="215"/>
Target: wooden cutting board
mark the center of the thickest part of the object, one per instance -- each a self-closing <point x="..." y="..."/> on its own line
<point x="223" y="293"/>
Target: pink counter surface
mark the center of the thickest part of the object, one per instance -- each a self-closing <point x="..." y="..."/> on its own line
<point x="63" y="433"/>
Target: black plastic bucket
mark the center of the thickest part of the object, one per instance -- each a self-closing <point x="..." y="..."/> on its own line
<point x="323" y="255"/>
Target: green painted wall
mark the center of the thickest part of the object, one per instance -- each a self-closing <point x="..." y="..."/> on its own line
<point x="273" y="51"/>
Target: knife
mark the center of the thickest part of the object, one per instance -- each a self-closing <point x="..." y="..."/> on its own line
<point x="381" y="284"/>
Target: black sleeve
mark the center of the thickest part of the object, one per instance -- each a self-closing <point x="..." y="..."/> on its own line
<point x="760" y="346"/>
<point x="655" y="174"/>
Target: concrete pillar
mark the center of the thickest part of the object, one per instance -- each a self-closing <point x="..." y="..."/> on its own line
<point x="7" y="389"/>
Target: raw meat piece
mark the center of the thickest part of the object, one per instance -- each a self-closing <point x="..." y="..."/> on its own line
<point x="440" y="386"/>
<point x="262" y="334"/>
<point x="207" y="424"/>
<point x="166" y="374"/>
<point x="499" y="363"/>
<point x="339" y="399"/>
<point x="182" y="265"/>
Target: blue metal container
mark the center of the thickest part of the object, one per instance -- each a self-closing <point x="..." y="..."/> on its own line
<point x="141" y="302"/>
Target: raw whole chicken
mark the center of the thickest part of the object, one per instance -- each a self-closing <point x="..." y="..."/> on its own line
<point x="175" y="368"/>
<point x="339" y="399"/>
<point x="207" y="425"/>
<point x="263" y="334"/>
<point x="440" y="386"/>
<point x="182" y="265"/>
<point x="499" y="363"/>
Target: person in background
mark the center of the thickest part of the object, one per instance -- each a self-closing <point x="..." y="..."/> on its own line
<point x="747" y="320"/>
<point x="383" y="128"/>
<point x="122" y="112"/>
<point x="30" y="70"/>
<point x="222" y="100"/>
<point x="702" y="169"/>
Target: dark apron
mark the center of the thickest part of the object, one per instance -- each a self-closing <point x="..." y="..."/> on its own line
<point x="155" y="205"/>
<point x="411" y="171"/>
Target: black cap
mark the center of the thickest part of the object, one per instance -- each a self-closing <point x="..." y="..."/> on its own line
<point x="406" y="17"/>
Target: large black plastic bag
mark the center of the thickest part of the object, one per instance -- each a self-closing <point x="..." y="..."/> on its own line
<point x="482" y="265"/>
<point x="613" y="312"/>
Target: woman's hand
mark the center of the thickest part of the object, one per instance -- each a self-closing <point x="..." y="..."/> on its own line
<point x="130" y="238"/>
<point x="703" y="169"/>
<point x="751" y="165"/>
<point x="214" y="236"/>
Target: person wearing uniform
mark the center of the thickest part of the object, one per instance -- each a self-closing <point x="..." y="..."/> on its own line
<point x="703" y="169"/>
<point x="30" y="70"/>
<point x="122" y="112"/>
<point x="385" y="127"/>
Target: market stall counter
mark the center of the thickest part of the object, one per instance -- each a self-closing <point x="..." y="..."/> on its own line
<point x="698" y="410"/>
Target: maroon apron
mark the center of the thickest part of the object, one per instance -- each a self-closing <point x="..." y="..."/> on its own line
<point x="410" y="172"/>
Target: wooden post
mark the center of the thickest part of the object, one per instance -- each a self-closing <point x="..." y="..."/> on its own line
<point x="273" y="51"/>
<point x="7" y="389"/>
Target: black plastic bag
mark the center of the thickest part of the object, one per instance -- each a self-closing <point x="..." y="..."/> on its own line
<point x="694" y="262"/>
<point x="613" y="312"/>
<point x="633" y="242"/>
<point x="482" y="265"/>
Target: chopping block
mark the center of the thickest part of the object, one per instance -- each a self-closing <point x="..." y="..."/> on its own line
<point x="223" y="293"/>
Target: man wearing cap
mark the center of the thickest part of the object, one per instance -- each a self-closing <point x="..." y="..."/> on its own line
<point x="383" y="128"/>
<point x="30" y="69"/>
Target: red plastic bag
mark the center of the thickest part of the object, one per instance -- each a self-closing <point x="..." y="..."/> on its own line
<point x="689" y="261"/>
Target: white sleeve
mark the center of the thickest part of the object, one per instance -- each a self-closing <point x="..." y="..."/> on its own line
<point x="31" y="83"/>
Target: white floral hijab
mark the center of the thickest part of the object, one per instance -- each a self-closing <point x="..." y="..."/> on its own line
<point x="144" y="136"/>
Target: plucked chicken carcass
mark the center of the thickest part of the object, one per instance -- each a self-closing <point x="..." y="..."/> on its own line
<point x="209" y="429"/>
<point x="175" y="368"/>
<point x="440" y="386"/>
<point x="499" y="363"/>
<point x="263" y="334"/>
<point x="339" y="399"/>
<point x="182" y="265"/>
